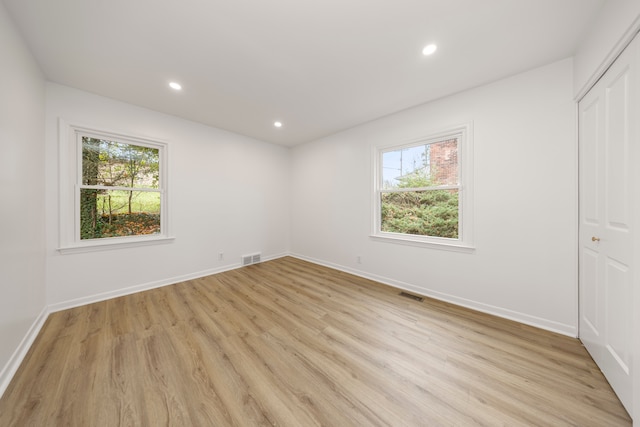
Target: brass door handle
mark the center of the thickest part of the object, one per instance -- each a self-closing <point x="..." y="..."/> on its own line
<point x="595" y="239"/>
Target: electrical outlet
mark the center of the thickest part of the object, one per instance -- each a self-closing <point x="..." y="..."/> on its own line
<point x="221" y="256"/>
<point x="359" y="259"/>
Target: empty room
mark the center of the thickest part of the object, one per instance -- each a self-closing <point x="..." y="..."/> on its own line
<point x="355" y="213"/>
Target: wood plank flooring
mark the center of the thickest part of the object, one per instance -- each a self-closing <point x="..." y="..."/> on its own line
<point x="290" y="343"/>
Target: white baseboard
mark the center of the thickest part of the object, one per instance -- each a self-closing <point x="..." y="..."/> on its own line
<point x="147" y="286"/>
<point x="10" y="369"/>
<point x="549" y="325"/>
<point x="64" y="305"/>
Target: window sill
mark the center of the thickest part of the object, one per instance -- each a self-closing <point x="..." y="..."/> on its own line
<point x="405" y="240"/>
<point x="114" y="243"/>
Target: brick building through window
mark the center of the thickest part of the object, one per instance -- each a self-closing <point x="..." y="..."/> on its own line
<point x="443" y="162"/>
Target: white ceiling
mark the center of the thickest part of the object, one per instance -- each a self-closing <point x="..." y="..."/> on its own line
<point x="319" y="66"/>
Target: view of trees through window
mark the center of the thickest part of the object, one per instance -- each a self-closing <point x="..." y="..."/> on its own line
<point x="120" y="192"/>
<point x="420" y="189"/>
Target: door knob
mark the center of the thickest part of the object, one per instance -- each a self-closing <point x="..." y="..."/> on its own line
<point x="595" y="239"/>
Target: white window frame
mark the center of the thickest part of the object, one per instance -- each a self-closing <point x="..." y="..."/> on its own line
<point x="464" y="242"/>
<point x="70" y="182"/>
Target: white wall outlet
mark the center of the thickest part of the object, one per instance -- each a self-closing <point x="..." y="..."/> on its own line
<point x="359" y="259"/>
<point x="221" y="256"/>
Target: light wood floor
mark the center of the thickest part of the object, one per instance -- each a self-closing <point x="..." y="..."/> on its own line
<point x="290" y="343"/>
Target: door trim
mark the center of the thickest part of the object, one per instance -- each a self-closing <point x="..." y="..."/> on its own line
<point x="608" y="61"/>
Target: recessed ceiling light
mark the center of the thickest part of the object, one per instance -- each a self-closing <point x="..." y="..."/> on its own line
<point x="429" y="49"/>
<point x="277" y="124"/>
<point x="175" y="86"/>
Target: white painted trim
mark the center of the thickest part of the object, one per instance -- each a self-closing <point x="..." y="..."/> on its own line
<point x="115" y="243"/>
<point x="523" y="318"/>
<point x="148" y="286"/>
<point x="635" y="326"/>
<point x="433" y="243"/>
<point x="617" y="49"/>
<point x="10" y="369"/>
<point x="576" y="227"/>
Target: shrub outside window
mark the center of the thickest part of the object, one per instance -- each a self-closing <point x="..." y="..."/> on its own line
<point x="423" y="190"/>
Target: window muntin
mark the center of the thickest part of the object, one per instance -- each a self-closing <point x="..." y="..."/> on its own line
<point x="119" y="193"/>
<point x="421" y="195"/>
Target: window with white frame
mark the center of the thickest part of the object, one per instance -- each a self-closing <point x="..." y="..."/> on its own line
<point x="423" y="190"/>
<point x="113" y="189"/>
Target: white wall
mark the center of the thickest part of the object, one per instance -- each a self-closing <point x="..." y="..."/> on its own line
<point x="227" y="193"/>
<point x="22" y="264"/>
<point x="525" y="263"/>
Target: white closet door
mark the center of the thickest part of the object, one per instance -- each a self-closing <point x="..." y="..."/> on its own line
<point x="608" y="145"/>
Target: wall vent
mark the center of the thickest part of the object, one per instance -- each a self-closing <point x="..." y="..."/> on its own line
<point x="411" y="296"/>
<point x="250" y="259"/>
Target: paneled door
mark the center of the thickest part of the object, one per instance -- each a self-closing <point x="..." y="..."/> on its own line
<point x="608" y="139"/>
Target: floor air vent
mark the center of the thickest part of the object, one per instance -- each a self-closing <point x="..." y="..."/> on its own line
<point x="250" y="259"/>
<point x="411" y="296"/>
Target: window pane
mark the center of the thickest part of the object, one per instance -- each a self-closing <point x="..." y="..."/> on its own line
<point x="423" y="165"/>
<point x="112" y="163"/>
<point x="424" y="213"/>
<point x="406" y="167"/>
<point x="110" y="213"/>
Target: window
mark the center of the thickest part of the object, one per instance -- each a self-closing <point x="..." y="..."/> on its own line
<point x="119" y="191"/>
<point x="423" y="190"/>
<point x="113" y="190"/>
